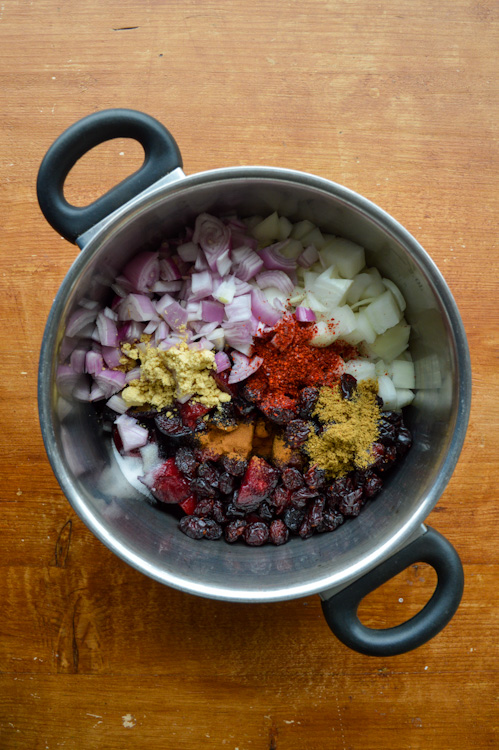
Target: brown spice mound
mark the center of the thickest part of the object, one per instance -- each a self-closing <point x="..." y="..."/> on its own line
<point x="351" y="429"/>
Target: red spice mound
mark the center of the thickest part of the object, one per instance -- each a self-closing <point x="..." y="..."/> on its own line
<point x="290" y="363"/>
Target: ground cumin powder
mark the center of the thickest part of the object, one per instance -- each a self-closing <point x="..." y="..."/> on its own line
<point x="351" y="429"/>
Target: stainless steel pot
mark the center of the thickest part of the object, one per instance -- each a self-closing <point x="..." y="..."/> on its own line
<point x="341" y="567"/>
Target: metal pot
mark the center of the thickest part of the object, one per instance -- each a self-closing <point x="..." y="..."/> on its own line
<point x="389" y="534"/>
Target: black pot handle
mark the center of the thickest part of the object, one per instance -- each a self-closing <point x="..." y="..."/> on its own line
<point x="340" y="610"/>
<point x="162" y="155"/>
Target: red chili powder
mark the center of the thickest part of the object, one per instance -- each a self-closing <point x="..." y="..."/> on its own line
<point x="290" y="363"/>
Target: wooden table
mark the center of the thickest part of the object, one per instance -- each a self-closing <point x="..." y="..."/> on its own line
<point x="397" y="100"/>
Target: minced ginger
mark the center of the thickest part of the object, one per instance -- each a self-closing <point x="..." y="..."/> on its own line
<point x="169" y="375"/>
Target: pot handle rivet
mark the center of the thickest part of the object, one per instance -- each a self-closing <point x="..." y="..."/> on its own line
<point x="340" y="610"/>
<point x="162" y="156"/>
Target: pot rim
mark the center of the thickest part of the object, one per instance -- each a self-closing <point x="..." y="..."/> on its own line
<point x="91" y="244"/>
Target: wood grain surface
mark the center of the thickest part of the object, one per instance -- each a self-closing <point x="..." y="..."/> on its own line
<point x="397" y="100"/>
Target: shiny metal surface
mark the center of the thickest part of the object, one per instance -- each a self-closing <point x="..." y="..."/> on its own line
<point x="81" y="455"/>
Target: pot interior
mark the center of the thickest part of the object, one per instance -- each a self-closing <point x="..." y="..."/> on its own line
<point x="80" y="450"/>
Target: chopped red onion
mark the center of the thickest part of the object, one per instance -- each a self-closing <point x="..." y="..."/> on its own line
<point x="94" y="362"/>
<point x="201" y="263"/>
<point x="143" y="270"/>
<point x="240" y="238"/>
<point x="112" y="356"/>
<point x="89" y="304"/>
<point x="217" y="338"/>
<point x="117" y="404"/>
<point x="246" y="263"/>
<point x="278" y="279"/>
<point x="137" y="307"/>
<point x="225" y="291"/>
<point x="132" y="435"/>
<point x="79" y="319"/>
<point x="239" y="335"/>
<point x="239" y="309"/>
<point x="262" y="309"/>
<point x="96" y="393"/>
<point x="305" y="315"/>
<point x="77" y="359"/>
<point x="132" y="375"/>
<point x="111" y="314"/>
<point x="107" y="330"/>
<point x="161" y="332"/>
<point x="168" y="270"/>
<point x="188" y="251"/>
<point x="223" y="263"/>
<point x="212" y="235"/>
<point x="201" y="285"/>
<point x="167" y="286"/>
<point x="243" y="367"/>
<point x="151" y="327"/>
<point x="176" y="316"/>
<point x="222" y="361"/>
<point x="110" y="381"/>
<point x="130" y="331"/>
<point x="308" y="257"/>
<point x="212" y="312"/>
<point x="275" y="260"/>
<point x="122" y="286"/>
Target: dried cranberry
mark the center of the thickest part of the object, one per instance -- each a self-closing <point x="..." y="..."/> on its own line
<point x="226" y="483"/>
<point x="348" y="385"/>
<point x="185" y="461"/>
<point x="242" y="408"/>
<point x="306" y="401"/>
<point x="297" y="432"/>
<point x="279" y="409"/>
<point x="278" y="532"/>
<point x="306" y="529"/>
<point x="265" y="512"/>
<point x="393" y="417"/>
<point x="204" y="507"/>
<point x="280" y="499"/>
<point x="200" y="528"/>
<point x="351" y="504"/>
<point x="234" y="530"/>
<point x="387" y="432"/>
<point x="299" y="498"/>
<point x="337" y="490"/>
<point x="209" y="472"/>
<point x="315" y="512"/>
<point x="256" y="534"/>
<point x="224" y="416"/>
<point x="203" y="487"/>
<point x="403" y="441"/>
<point x="234" y="466"/>
<point x="253" y="391"/>
<point x="293" y="518"/>
<point x="331" y="519"/>
<point x="372" y="484"/>
<point x="292" y="479"/>
<point x="232" y="511"/>
<point x="315" y="478"/>
<point x="218" y="512"/>
<point x="170" y="424"/>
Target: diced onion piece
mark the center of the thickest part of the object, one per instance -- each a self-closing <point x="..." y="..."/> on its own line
<point x="404" y="397"/>
<point x="262" y="309"/>
<point x="110" y="381"/>
<point x="112" y="356"/>
<point x="384" y="312"/>
<point x="276" y="298"/>
<point x="168" y="270"/>
<point x="346" y="255"/>
<point x="246" y="263"/>
<point x="217" y="338"/>
<point x="360" y="282"/>
<point x="403" y="374"/>
<point x="212" y="235"/>
<point x="305" y="315"/>
<point x="176" y="316"/>
<point x="291" y="249"/>
<point x="223" y="262"/>
<point x="361" y="369"/>
<point x="285" y="227"/>
<point x="313" y="237"/>
<point x="222" y="361"/>
<point x="301" y="228"/>
<point x="137" y="307"/>
<point x="268" y="229"/>
<point x="308" y="257"/>
<point x="77" y="359"/>
<point x="314" y="304"/>
<point x="202" y="285"/>
<point x="390" y="344"/>
<point x="79" y="319"/>
<point x="387" y="392"/>
<point x="331" y="291"/>
<point x="94" y="362"/>
<point x="239" y="309"/>
<point x="297" y="295"/>
<point x="107" y="330"/>
<point x="225" y="291"/>
<point x="243" y="367"/>
<point x="363" y="330"/>
<point x="167" y="286"/>
<point x="117" y="404"/>
<point x="382" y="368"/>
<point x="278" y="279"/>
<point x="212" y="312"/>
<point x="396" y="293"/>
<point x="374" y="289"/>
<point x="188" y="251"/>
<point x="132" y="435"/>
<point x="274" y="259"/>
<point x="324" y="334"/>
<point x="143" y="270"/>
